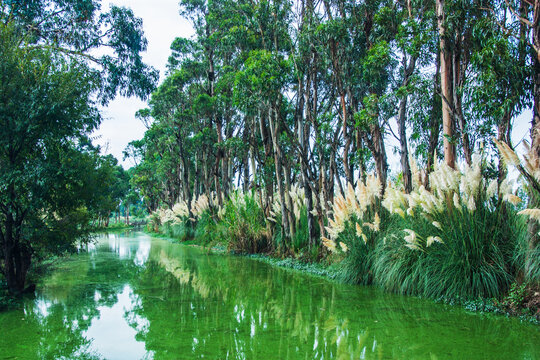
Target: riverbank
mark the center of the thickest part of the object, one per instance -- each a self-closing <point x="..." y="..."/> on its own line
<point x="521" y="302"/>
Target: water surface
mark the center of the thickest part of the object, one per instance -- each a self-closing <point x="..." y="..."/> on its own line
<point x="131" y="296"/>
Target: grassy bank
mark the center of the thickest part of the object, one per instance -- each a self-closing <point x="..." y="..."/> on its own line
<point x="463" y="241"/>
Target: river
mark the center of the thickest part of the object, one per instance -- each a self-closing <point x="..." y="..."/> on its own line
<point x="130" y="296"/>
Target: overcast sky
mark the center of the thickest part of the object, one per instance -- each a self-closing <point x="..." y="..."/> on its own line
<point x="162" y="24"/>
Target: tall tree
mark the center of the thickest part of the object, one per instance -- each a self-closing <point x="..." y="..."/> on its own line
<point x="48" y="90"/>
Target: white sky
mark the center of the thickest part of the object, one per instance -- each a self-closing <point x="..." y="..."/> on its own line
<point x="162" y="24"/>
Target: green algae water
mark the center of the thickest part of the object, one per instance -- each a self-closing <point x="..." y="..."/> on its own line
<point x="130" y="296"/>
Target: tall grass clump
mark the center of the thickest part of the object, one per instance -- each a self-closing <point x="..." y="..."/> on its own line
<point x="454" y="241"/>
<point x="527" y="254"/>
<point x="205" y="221"/>
<point x="176" y="223"/>
<point x="354" y="230"/>
<point x="243" y="225"/>
<point x="527" y="259"/>
<point x="172" y="222"/>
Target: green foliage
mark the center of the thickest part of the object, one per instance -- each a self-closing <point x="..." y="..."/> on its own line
<point x="300" y="239"/>
<point x="242" y="225"/>
<point x="53" y="181"/>
<point x="182" y="231"/>
<point x="473" y="261"/>
<point x="7" y="300"/>
<point x="207" y="231"/>
<point x="516" y="295"/>
<point x="527" y="259"/>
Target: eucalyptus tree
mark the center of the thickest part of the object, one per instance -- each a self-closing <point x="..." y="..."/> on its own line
<point x="412" y="41"/>
<point x="274" y="93"/>
<point x="51" y="82"/>
<point x="520" y="21"/>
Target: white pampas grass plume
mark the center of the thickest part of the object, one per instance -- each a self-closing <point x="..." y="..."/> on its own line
<point x="507" y="154"/>
<point x="457" y="203"/>
<point x="400" y="212"/>
<point x="471" y="204"/>
<point x="394" y="199"/>
<point x="492" y="188"/>
<point x="377" y="222"/>
<point x="359" y="231"/>
<point x="431" y="239"/>
<point x="411" y="238"/>
<point x="511" y="198"/>
<point x="531" y="213"/>
<point x="330" y="244"/>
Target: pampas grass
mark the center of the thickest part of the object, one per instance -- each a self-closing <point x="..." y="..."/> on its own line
<point x="449" y="241"/>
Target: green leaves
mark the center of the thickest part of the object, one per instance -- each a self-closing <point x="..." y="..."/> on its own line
<point x="55" y="181"/>
<point x="73" y="29"/>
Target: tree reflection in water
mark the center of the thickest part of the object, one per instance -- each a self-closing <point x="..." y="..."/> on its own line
<point x="130" y="297"/>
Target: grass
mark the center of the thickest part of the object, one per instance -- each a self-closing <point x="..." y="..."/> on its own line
<point x="242" y="225"/>
<point x="316" y="269"/>
<point x="474" y="260"/>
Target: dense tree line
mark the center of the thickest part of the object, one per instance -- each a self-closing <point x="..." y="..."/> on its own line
<point x="269" y="94"/>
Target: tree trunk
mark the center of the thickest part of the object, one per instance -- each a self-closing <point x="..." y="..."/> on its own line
<point x="446" y="87"/>
<point x="277" y="166"/>
<point x="347" y="139"/>
<point x="9" y="266"/>
<point x="434" y="124"/>
<point x="408" y="70"/>
<point x="380" y="155"/>
<point x="17" y="256"/>
<point x="287" y="175"/>
<point x="503" y="135"/>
